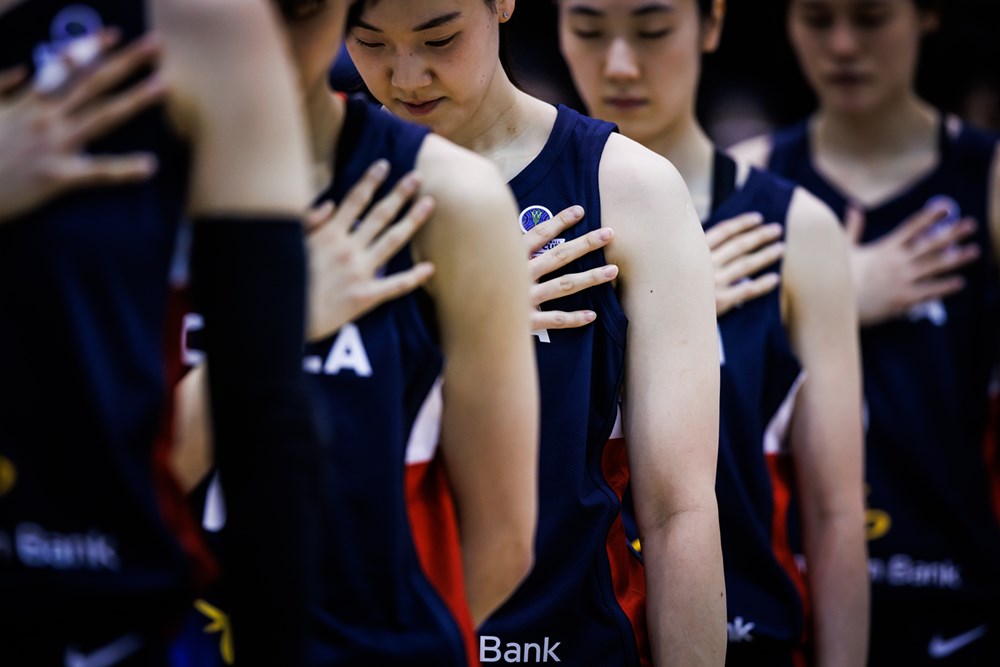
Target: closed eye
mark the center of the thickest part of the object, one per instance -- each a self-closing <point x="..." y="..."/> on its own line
<point x="367" y="45"/>
<point x="587" y="34"/>
<point x="438" y="43"/>
<point x="655" y="34"/>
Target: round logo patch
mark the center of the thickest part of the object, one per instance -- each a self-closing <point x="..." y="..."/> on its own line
<point x="533" y="216"/>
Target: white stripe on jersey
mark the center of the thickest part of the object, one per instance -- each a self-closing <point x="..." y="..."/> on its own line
<point x="776" y="435"/>
<point x="426" y="432"/>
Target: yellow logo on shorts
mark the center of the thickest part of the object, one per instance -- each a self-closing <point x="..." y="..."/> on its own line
<point x="8" y="476"/>
<point x="219" y="624"/>
<point x="877" y="522"/>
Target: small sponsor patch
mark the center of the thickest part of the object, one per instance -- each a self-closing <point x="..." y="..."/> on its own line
<point x="548" y="246"/>
<point x="533" y="216"/>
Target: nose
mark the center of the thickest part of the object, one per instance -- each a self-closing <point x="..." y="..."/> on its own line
<point x="843" y="39"/>
<point x="409" y="72"/>
<point x="621" y="62"/>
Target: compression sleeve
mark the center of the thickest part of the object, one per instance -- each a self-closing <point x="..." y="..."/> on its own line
<point x="249" y="281"/>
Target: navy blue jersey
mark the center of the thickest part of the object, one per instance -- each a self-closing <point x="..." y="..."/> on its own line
<point x="372" y="379"/>
<point x="759" y="378"/>
<point x="579" y="603"/>
<point x="932" y="532"/>
<point x="83" y="297"/>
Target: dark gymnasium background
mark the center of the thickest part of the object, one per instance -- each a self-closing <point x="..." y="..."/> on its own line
<point x="753" y="84"/>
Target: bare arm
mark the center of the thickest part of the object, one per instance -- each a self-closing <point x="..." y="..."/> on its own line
<point x="231" y="79"/>
<point x="233" y="96"/>
<point x="826" y="435"/>
<point x="671" y="400"/>
<point x="490" y="431"/>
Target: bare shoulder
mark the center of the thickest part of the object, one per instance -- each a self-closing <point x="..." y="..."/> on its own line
<point x="755" y="151"/>
<point x="816" y="244"/>
<point x="464" y="184"/>
<point x="645" y="201"/>
<point x="640" y="188"/>
<point x="177" y="19"/>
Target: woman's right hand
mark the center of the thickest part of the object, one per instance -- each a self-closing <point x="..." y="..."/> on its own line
<point x="741" y="247"/>
<point x="912" y="264"/>
<point x="347" y="253"/>
<point x="44" y="133"/>
<point x="543" y="263"/>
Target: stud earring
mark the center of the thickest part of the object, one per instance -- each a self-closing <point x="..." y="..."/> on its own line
<point x="506" y="15"/>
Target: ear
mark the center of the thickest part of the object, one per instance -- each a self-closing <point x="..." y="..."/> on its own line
<point x="711" y="30"/>
<point x="505" y="10"/>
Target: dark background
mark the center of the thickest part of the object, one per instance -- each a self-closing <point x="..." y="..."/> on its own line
<point x="753" y="83"/>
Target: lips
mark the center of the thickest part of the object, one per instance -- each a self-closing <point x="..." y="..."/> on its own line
<point x="846" y="79"/>
<point x="421" y="108"/>
<point x="626" y="103"/>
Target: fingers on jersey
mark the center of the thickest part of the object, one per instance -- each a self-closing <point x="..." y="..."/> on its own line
<point x="726" y="230"/>
<point x="12" y="78"/>
<point x="746" y="290"/>
<point x="564" y="286"/>
<point x="742" y="243"/>
<point x="564" y="253"/>
<point x="542" y="233"/>
<point x="346" y="253"/>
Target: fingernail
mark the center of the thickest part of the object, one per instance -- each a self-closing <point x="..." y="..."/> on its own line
<point x="411" y="181"/>
<point x="590" y="316"/>
<point x="774" y="228"/>
<point x="605" y="233"/>
<point x="576" y="212"/>
<point x="425" y="205"/>
<point x="380" y="169"/>
<point x="755" y="218"/>
<point x="610" y="271"/>
<point x="149" y="164"/>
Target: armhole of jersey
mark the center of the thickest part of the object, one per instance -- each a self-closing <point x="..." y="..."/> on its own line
<point x="612" y="317"/>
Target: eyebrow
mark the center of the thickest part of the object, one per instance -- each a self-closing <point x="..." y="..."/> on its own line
<point x="426" y="25"/>
<point x="644" y="10"/>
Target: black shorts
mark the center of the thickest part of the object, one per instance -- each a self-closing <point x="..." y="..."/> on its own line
<point x="915" y="634"/>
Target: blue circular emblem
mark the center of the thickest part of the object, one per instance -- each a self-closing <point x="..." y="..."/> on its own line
<point x="533" y="216"/>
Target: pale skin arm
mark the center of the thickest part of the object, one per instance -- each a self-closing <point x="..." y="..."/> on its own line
<point x="826" y="432"/>
<point x="489" y="436"/>
<point x="248" y="91"/>
<point x="671" y="399"/>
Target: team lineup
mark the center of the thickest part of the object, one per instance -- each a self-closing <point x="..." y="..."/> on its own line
<point x="446" y="375"/>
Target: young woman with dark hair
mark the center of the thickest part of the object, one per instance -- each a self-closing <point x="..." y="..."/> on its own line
<point x="587" y="600"/>
<point x="919" y="193"/>
<point x="790" y="429"/>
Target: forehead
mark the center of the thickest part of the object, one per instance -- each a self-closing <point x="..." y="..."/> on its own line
<point x="845" y="4"/>
<point x="408" y="13"/>
<point x="630" y="7"/>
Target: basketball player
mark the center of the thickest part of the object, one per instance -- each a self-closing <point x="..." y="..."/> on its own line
<point x="437" y="63"/>
<point x="919" y="192"/>
<point x="638" y="65"/>
<point x="90" y="570"/>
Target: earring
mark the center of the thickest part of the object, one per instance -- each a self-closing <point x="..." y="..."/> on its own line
<point x="506" y="15"/>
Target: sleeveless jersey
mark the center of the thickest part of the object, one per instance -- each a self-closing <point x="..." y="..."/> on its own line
<point x="377" y="383"/>
<point x="933" y="534"/>
<point x="583" y="603"/>
<point x="760" y="377"/>
<point x="84" y="541"/>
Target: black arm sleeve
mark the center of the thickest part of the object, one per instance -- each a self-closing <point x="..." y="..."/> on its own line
<point x="248" y="281"/>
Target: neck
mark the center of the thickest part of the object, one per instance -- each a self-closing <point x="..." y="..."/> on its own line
<point x="692" y="153"/>
<point x="501" y="115"/>
<point x="888" y="130"/>
<point x="325" y="112"/>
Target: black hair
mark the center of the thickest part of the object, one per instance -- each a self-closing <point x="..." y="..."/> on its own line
<point x="299" y="9"/>
<point x="706" y="7"/>
<point x="359" y="5"/>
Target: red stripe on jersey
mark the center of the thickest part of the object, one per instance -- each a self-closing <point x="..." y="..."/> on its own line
<point x="170" y="497"/>
<point x="991" y="452"/>
<point x="779" y="468"/>
<point x="627" y="574"/>
<point x="434" y="524"/>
